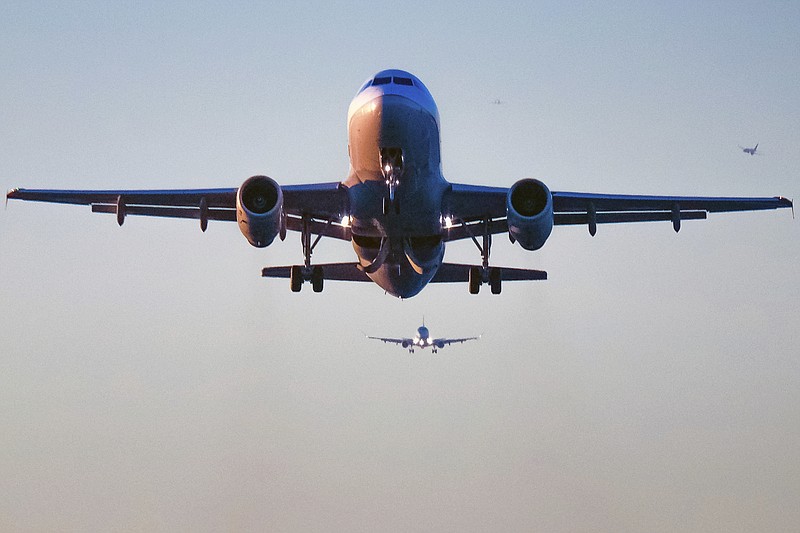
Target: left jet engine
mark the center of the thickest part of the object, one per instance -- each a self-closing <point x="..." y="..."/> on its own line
<point x="259" y="202"/>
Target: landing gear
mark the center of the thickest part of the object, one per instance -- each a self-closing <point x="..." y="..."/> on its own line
<point x="317" y="278"/>
<point x="296" y="278"/>
<point x="300" y="274"/>
<point x="392" y="169"/>
<point x="390" y="205"/>
<point x="484" y="273"/>
<point x="495" y="280"/>
<point x="475" y="280"/>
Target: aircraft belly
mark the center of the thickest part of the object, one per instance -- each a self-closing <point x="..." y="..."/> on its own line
<point x="401" y="278"/>
<point x="399" y="247"/>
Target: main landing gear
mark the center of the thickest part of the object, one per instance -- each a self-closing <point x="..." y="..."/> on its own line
<point x="308" y="272"/>
<point x="484" y="273"/>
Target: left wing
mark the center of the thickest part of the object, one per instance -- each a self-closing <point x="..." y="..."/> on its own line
<point x="453" y="341"/>
<point x="405" y="342"/>
<point x="472" y="206"/>
<point x="321" y="204"/>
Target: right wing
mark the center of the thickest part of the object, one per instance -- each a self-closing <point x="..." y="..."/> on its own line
<point x="323" y="204"/>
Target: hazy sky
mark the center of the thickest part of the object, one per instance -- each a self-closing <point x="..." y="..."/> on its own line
<point x="151" y="380"/>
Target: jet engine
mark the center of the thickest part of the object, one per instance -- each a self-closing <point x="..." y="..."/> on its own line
<point x="259" y="202"/>
<point x="439" y="344"/>
<point x="529" y="210"/>
<point x="405" y="344"/>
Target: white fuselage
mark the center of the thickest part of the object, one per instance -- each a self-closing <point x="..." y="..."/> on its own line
<point x="395" y="184"/>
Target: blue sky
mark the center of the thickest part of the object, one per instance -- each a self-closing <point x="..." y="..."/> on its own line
<point x="152" y="380"/>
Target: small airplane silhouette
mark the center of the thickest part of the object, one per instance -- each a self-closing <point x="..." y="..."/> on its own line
<point x="751" y="151"/>
<point x="497" y="101"/>
<point x="423" y="339"/>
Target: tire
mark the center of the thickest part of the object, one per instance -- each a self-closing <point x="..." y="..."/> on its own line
<point x="474" y="280"/>
<point x="496" y="280"/>
<point x="317" y="278"/>
<point x="296" y="278"/>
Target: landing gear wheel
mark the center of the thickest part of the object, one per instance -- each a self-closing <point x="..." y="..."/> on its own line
<point x="495" y="280"/>
<point x="296" y="278"/>
<point x="474" y="280"/>
<point x="317" y="278"/>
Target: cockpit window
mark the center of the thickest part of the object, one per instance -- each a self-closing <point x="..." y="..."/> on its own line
<point x="403" y="81"/>
<point x="382" y="81"/>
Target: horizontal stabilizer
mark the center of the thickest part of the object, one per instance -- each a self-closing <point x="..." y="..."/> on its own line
<point x="454" y="273"/>
<point x="330" y="271"/>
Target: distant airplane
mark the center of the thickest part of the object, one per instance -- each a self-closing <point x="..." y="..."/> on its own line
<point x="395" y="206"/>
<point x="423" y="340"/>
<point x="751" y="151"/>
<point x="497" y="101"/>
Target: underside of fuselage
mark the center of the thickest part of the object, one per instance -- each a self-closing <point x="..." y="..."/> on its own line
<point x="395" y="185"/>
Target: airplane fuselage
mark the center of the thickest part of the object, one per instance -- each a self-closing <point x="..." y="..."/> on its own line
<point x="395" y="184"/>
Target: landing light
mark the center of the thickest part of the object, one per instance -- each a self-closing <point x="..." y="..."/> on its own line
<point x="346" y="221"/>
<point x="448" y="222"/>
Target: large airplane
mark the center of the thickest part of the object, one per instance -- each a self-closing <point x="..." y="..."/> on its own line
<point x="423" y="339"/>
<point x="751" y="151"/>
<point x="395" y="206"/>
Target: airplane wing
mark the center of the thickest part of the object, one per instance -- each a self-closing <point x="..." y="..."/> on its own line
<point x="407" y="342"/>
<point x="453" y="341"/>
<point x="323" y="204"/>
<point x="473" y="208"/>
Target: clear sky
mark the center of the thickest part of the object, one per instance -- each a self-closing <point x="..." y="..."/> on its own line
<point x="152" y="380"/>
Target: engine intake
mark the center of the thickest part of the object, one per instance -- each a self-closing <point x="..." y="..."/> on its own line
<point x="259" y="202"/>
<point x="529" y="209"/>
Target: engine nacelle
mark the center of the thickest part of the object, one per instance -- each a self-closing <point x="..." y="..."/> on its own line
<point x="405" y="344"/>
<point x="439" y="344"/>
<point x="529" y="208"/>
<point x="259" y="203"/>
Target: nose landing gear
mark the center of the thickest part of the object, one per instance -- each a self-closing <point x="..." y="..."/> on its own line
<point x="392" y="169"/>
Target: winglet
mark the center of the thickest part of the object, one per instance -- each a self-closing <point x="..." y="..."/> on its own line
<point x="786" y="202"/>
<point x="10" y="194"/>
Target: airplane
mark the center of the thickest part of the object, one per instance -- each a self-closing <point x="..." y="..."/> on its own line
<point x="395" y="206"/>
<point x="751" y="151"/>
<point x="423" y="340"/>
